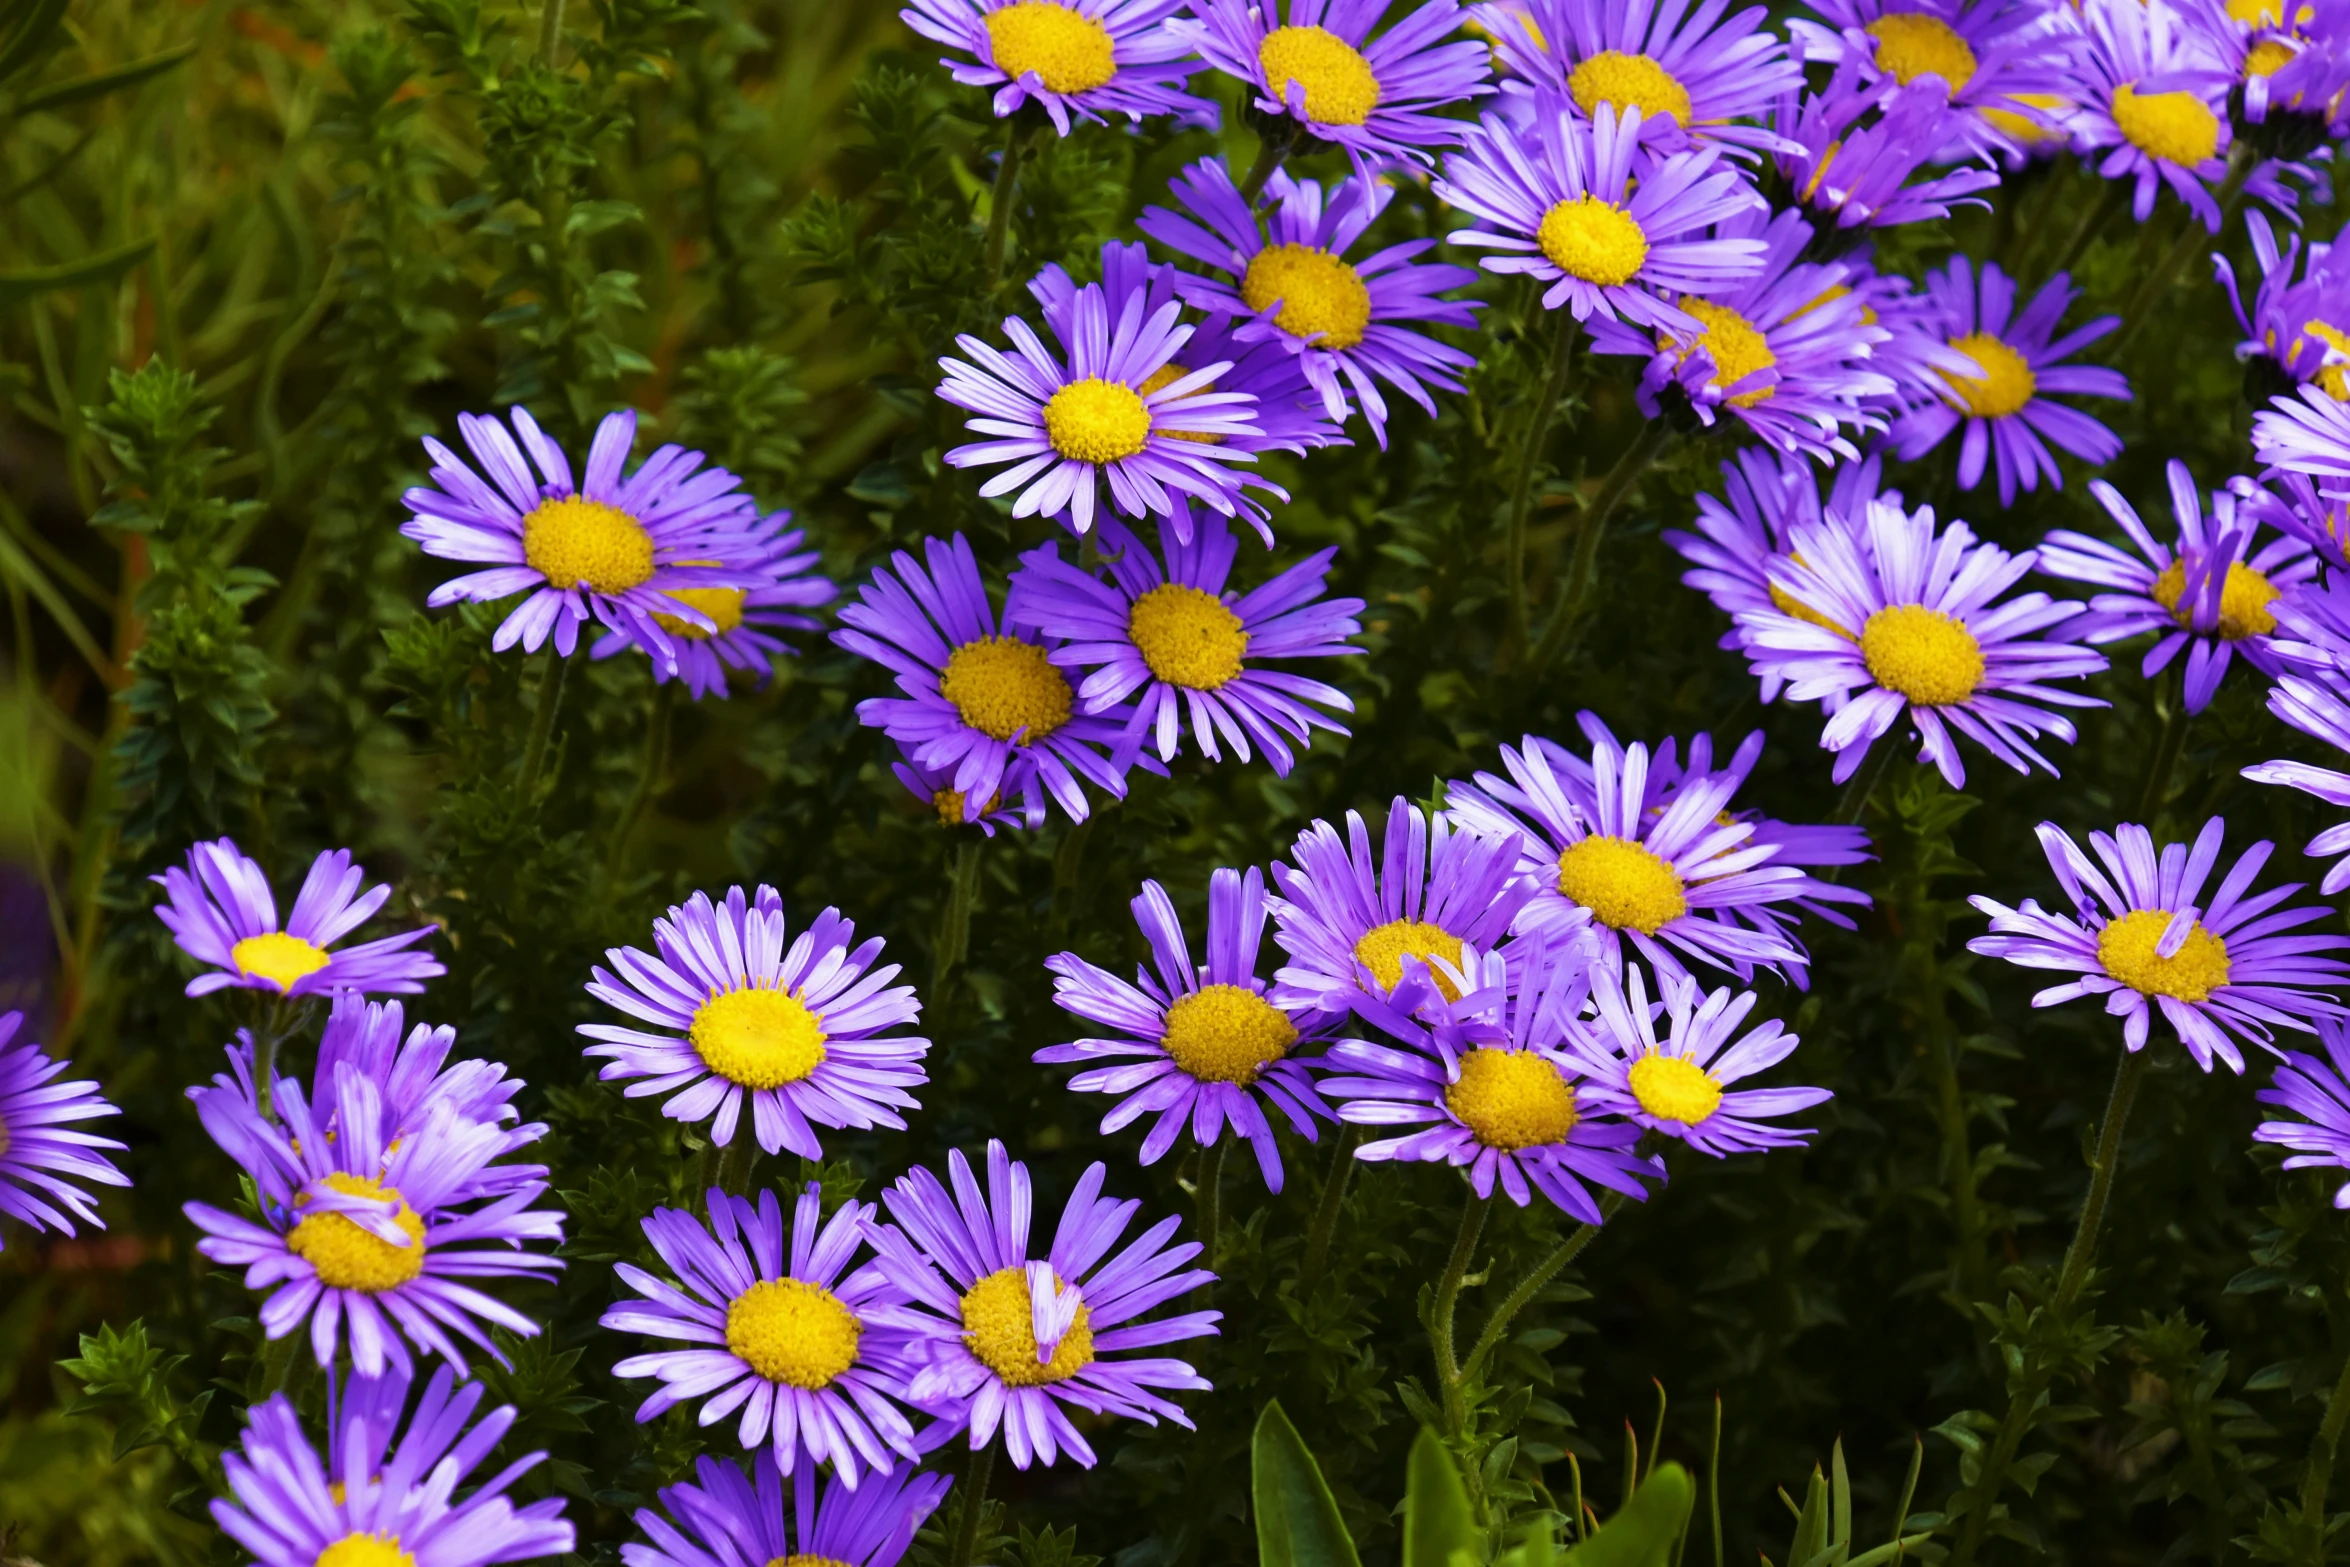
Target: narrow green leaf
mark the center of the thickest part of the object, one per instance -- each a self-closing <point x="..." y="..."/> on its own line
<point x="25" y="43"/>
<point x="1641" y="1534"/>
<point x="104" y="267"/>
<point x="1436" y="1517"/>
<point x="1297" y="1520"/>
<point x="99" y="83"/>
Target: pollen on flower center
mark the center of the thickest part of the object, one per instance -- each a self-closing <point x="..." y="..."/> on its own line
<point x="1383" y="948"/>
<point x="1097" y="421"/>
<point x="1737" y="347"/>
<point x="1512" y="1098"/>
<point x="808" y="1561"/>
<point x="1625" y="885"/>
<point x="999" y="1328"/>
<point x="1165" y="376"/>
<point x="2243" y="600"/>
<point x="2023" y="127"/>
<point x="575" y="542"/>
<point x="1922" y="654"/>
<point x="281" y="959"/>
<point x="724" y="606"/>
<point x="364" y="1550"/>
<point x="1628" y="81"/>
<point x="758" y="1037"/>
<point x="347" y="1257"/>
<point x="1322" y="298"/>
<point x="2007" y="382"/>
<point x="1594" y="240"/>
<point x="2177" y="127"/>
<point x="2267" y="57"/>
<point x="793" y="1332"/>
<point x="1226" y="1034"/>
<point x="1672" y="1088"/>
<point x="2127" y="949"/>
<point x="1188" y="636"/>
<point x="1340" y="86"/>
<point x="1788" y="604"/>
<point x="1910" y="46"/>
<point x="1004" y="687"/>
<point x="1069" y="52"/>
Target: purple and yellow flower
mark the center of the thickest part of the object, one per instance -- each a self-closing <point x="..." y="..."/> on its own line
<point x="1294" y="286"/>
<point x="2145" y="82"/>
<point x="804" y="1033"/>
<point x="220" y="910"/>
<point x="742" y="621"/>
<point x="986" y="704"/>
<point x="40" y="1157"/>
<point x="383" y="1496"/>
<point x="772" y="1327"/>
<point x="2315" y="1096"/>
<point x="937" y="788"/>
<point x="1990" y="60"/>
<point x="1907" y="628"/>
<point x="1194" y="1046"/>
<point x="2006" y="406"/>
<point x="1081" y="58"/>
<point x="2209" y="597"/>
<point x="2299" y="319"/>
<point x="1850" y="175"/>
<point x="1006" y="1338"/>
<point x="612" y="547"/>
<point x="2317" y="706"/>
<point x="2139" y="936"/>
<point x="731" y="1519"/>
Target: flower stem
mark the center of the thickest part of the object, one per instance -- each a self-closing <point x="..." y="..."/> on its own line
<point x="1652" y="439"/>
<point x="1440" y="1316"/>
<point x="954" y="920"/>
<point x="551" y="31"/>
<point x="1000" y="199"/>
<point x="2167" y="751"/>
<point x="1211" y="1207"/>
<point x="2319" y="1473"/>
<point x="2193" y="238"/>
<point x="648" y="781"/>
<point x="1523" y="1292"/>
<point x="1554" y="384"/>
<point x="2093" y="221"/>
<point x="1854" y="801"/>
<point x="1271" y="149"/>
<point x="1333" y="1201"/>
<point x="734" y="1166"/>
<point x="542" y="726"/>
<point x="975" y="1475"/>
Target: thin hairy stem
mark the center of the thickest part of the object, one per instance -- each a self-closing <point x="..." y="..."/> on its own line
<point x="542" y="725"/>
<point x="1522" y="1293"/>
<point x="974" y="1489"/>
<point x="1538" y="421"/>
<point x="1333" y="1201"/>
<point x="1654" y="436"/>
<point x="1440" y="1316"/>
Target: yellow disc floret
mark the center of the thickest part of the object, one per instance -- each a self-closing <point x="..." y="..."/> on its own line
<point x="1165" y="376"/>
<point x="1628" y="81"/>
<point x="1594" y="240"/>
<point x="1188" y="637"/>
<point x="2023" y="127"/>
<point x="2007" y="382"/>
<point x="575" y="543"/>
<point x="1788" y="604"/>
<point x="1226" y="1033"/>
<point x="1097" y="421"/>
<point x="1737" y="347"/>
<point x="1340" y="87"/>
<point x="1922" y="654"/>
<point x="2266" y="57"/>
<point x="1322" y="298"/>
<point x="1625" y="885"/>
<point x="759" y="1038"/>
<point x="999" y="1328"/>
<point x="2126" y="949"/>
<point x="808" y="1561"/>
<point x="793" y="1332"/>
<point x="724" y="606"/>
<point x="1910" y="46"/>
<point x="1004" y="687"/>
<point x="2177" y="127"/>
<point x="1512" y="1098"/>
<point x="1384" y="947"/>
<point x="281" y="959"/>
<point x="1068" y="51"/>
<point x="350" y="1258"/>
<point x="364" y="1550"/>
<point x="2243" y="600"/>
<point x="1672" y="1088"/>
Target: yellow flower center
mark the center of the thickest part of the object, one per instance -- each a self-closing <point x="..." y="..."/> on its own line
<point x="1910" y="46"/>
<point x="999" y="1328"/>
<point x="2126" y="948"/>
<point x="757" y="1037"/>
<point x="1625" y="885"/>
<point x="350" y="1258"/>
<point x="1512" y="1098"/>
<point x="1068" y="52"/>
<point x="1227" y="1034"/>
<point x="2177" y="127"/>
<point x="1673" y="1089"/>
<point x="807" y="1561"/>
<point x="575" y="542"/>
<point x="1628" y="81"/>
<point x="2243" y="600"/>
<point x="1922" y="654"/>
<point x="793" y="1332"/>
<point x="1788" y="604"/>
<point x="1167" y="375"/>
<point x="1594" y="240"/>
<point x="1738" y="349"/>
<point x="1097" y="421"/>
<point x="365" y="1550"/>
<point x="2266" y="57"/>
<point x="724" y="606"/>
<point x="1003" y="687"/>
<point x="1384" y="947"/>
<point x="2258" y="13"/>
<point x="2007" y="381"/>
<point x="1340" y="87"/>
<point x="2022" y="127"/>
<point x="1188" y="637"/>
<point x="277" y="957"/>
<point x="1322" y="298"/>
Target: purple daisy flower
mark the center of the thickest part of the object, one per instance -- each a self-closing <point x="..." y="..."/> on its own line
<point x="742" y="621"/>
<point x="1678" y="1085"/>
<point x="1316" y="62"/>
<point x="2145" y="82"/>
<point x="1580" y="206"/>
<point x="1915" y="351"/>
<point x="806" y="1033"/>
<point x="1496" y="1089"/>
<point x="220" y="910"/>
<point x="2210" y="596"/>
<point x="1355" y="927"/>
<point x="1295" y="287"/>
<point x="1913" y="634"/>
<point x="990" y="705"/>
<point x="1191" y="648"/>
<point x="2006" y="404"/>
<point x="1087" y="58"/>
<point x="2299" y="320"/>
<point x="1990" y="60"/>
<point x="937" y="787"/>
<point x="1203" y="1044"/>
<point x="354" y="1227"/>
<point x="1786" y="353"/>
<point x="773" y="1329"/>
<point x="2139" y="937"/>
<point x="2315" y="1096"/>
<point x="1007" y="1338"/>
<point x="2293" y="87"/>
<point x="39" y="1158"/>
<point x="617" y="548"/>
<point x="735" y="1520"/>
<point x="2316" y="707"/>
<point x="383" y="1496"/>
<point x="2307" y="433"/>
<point x="1852" y="175"/>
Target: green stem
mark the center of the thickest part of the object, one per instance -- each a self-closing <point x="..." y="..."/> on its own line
<point x="1333" y="1201"/>
<point x="1950" y="1118"/>
<point x="1522" y="1294"/>
<point x="551" y="32"/>
<point x="975" y="1476"/>
<point x="1271" y="149"/>
<point x="2319" y="1473"/>
<point x="542" y="724"/>
<point x="1554" y="385"/>
<point x="1652" y="439"/>
<point x="2167" y="751"/>
<point x="1440" y="1317"/>
<point x="734" y="1166"/>
<point x="2192" y="239"/>
<point x="1884" y="751"/>
<point x="2085" y="232"/>
<point x="1000" y="199"/>
<point x="648" y="781"/>
<point x="954" y="920"/>
<point x="1211" y="1206"/>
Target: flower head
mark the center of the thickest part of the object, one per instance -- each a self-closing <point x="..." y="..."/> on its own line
<point x="1863" y="175"/>
<point x="2146" y="83"/>
<point x="40" y="1158"/>
<point x="1990" y="61"/>
<point x="2307" y="434"/>
<point x="742" y="620"/>
<point x="220" y="910"/>
<point x="1085" y="59"/>
<point x="2317" y="705"/>
<point x="2299" y="320"/>
<point x="936" y="788"/>
<point x="729" y="1519"/>
<point x="2314" y="1095"/>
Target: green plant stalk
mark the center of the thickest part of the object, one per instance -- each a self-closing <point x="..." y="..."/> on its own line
<point x="1332" y="1203"/>
<point x="648" y="780"/>
<point x="551" y="31"/>
<point x="1211" y="1207"/>
<point x="2093" y="220"/>
<point x="1441" y="1311"/>
<point x="542" y="724"/>
<point x="2324" y="1452"/>
<point x="1523" y="1292"/>
<point x="2193" y="240"/>
<point x="734" y="1166"/>
<point x="1950" y="1119"/>
<point x="2167" y="751"/>
<point x="1884" y="751"/>
<point x="1271" y="149"/>
<point x="974" y="1489"/>
<point x="1000" y="198"/>
<point x="954" y="920"/>
<point x="1554" y="385"/>
<point x="1644" y="450"/>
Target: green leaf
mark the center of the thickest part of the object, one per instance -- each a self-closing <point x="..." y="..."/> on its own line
<point x="99" y="83"/>
<point x="1643" y="1532"/>
<point x="1437" y="1523"/>
<point x="1297" y="1520"/>
<point x="104" y="267"/>
<point x="25" y="43"/>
